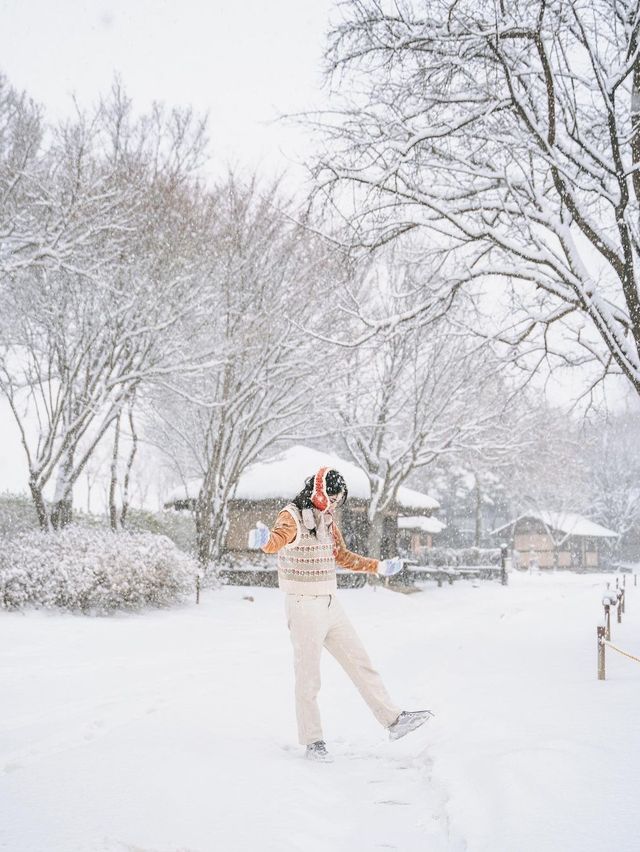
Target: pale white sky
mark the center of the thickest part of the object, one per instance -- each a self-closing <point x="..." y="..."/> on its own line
<point x="244" y="63"/>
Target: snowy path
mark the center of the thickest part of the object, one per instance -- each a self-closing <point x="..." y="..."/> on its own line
<point x="174" y="731"/>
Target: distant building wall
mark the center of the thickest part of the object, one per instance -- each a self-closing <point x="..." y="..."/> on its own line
<point x="535" y="546"/>
<point x="352" y="520"/>
<point x="243" y="516"/>
<point x="413" y="541"/>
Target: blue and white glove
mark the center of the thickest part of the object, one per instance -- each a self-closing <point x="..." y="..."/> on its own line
<point x="259" y="536"/>
<point x="389" y="567"/>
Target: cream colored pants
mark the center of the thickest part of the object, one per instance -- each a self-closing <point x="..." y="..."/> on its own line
<point x="315" y="621"/>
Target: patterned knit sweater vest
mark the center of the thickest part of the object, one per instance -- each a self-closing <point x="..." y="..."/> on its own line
<point x="307" y="566"/>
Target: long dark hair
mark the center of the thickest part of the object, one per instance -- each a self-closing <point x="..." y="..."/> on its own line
<point x="335" y="484"/>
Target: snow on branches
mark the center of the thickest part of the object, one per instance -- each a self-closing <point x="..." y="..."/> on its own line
<point x="510" y="133"/>
<point x="101" y="308"/>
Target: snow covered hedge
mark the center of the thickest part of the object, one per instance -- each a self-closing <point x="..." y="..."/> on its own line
<point x="93" y="570"/>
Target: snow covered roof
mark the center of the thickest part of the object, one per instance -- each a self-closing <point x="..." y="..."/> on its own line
<point x="281" y="477"/>
<point x="418" y="522"/>
<point x="566" y="522"/>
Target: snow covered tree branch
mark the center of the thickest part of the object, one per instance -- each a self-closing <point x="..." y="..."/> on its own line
<point x="510" y="135"/>
<point x="415" y="396"/>
<point x="214" y="425"/>
<point x="80" y="335"/>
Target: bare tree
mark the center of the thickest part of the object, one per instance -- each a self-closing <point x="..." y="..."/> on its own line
<point x="115" y="520"/>
<point x="21" y="132"/>
<point x="214" y="425"/>
<point x="535" y="462"/>
<point x="553" y="480"/>
<point x="126" y="485"/>
<point x="413" y="395"/>
<point x="613" y="457"/>
<point x="510" y="134"/>
<point x="68" y="193"/>
<point x="79" y="337"/>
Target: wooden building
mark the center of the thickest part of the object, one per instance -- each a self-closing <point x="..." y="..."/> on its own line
<point x="545" y="539"/>
<point x="266" y="487"/>
<point x="415" y="533"/>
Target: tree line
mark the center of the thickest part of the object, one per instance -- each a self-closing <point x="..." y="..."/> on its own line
<point x="142" y="300"/>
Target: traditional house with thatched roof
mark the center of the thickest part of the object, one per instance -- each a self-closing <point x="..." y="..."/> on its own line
<point x="546" y="539"/>
<point x="415" y="533"/>
<point x="265" y="487"/>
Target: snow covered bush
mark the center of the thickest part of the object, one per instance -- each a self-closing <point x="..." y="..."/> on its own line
<point x="178" y="526"/>
<point x="93" y="570"/>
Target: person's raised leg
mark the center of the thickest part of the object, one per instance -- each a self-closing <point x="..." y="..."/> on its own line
<point x="344" y="644"/>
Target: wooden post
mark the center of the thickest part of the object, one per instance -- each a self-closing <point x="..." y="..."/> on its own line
<point x="600" y="632"/>
<point x="198" y="588"/>
<point x="621" y="604"/>
<point x="503" y="564"/>
<point x="616" y="582"/>
<point x="607" y="621"/>
<point x="619" y="607"/>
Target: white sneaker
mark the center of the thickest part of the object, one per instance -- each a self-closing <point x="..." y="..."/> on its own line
<point x="408" y="721"/>
<point x="318" y="751"/>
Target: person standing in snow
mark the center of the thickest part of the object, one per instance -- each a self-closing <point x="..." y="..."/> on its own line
<point x="310" y="547"/>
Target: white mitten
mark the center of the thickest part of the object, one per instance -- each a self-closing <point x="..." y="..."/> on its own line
<point x="259" y="536"/>
<point x="389" y="567"/>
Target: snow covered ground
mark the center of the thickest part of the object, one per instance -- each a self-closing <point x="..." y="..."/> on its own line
<point x="174" y="730"/>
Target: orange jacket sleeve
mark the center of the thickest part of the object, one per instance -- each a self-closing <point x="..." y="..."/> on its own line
<point x="284" y="532"/>
<point x="346" y="559"/>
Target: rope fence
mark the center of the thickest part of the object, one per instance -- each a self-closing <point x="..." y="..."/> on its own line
<point x="620" y="651"/>
<point x="616" y="598"/>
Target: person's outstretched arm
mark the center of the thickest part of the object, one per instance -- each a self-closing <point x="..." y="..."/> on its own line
<point x="353" y="561"/>
<point x="284" y="532"/>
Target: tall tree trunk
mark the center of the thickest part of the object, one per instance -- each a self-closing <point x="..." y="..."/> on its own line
<point x="40" y="506"/>
<point x="203" y="518"/>
<point x="478" y="511"/>
<point x="62" y="509"/>
<point x="113" y="483"/>
<point x="375" y="517"/>
<point x="219" y="528"/>
<point x="211" y="527"/>
<point x="635" y="123"/>
<point x="374" y="538"/>
<point x="127" y="475"/>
